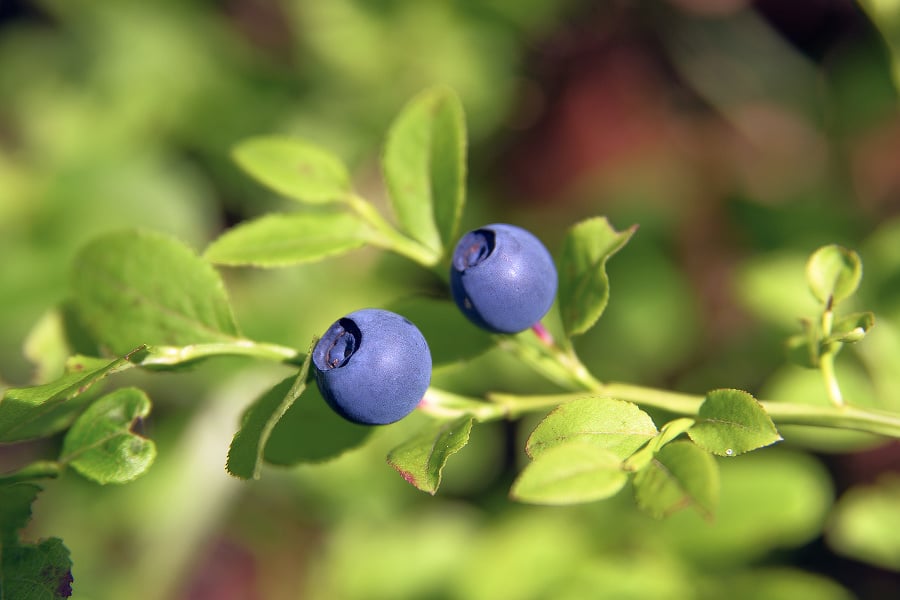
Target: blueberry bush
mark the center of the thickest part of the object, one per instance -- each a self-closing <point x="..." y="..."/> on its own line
<point x="354" y="354"/>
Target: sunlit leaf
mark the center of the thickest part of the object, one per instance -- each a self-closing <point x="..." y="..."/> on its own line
<point x="731" y="422"/>
<point x="421" y="459"/>
<point x="141" y="287"/>
<point x="424" y="165"/>
<point x="570" y="473"/>
<point x="101" y="444"/>
<point x="583" y="282"/>
<point x="278" y="240"/>
<point x="619" y="427"/>
<point x="294" y="168"/>
<point x="41" y="410"/>
<point x="833" y="273"/>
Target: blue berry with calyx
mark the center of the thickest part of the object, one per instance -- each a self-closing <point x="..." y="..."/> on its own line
<point x="372" y="366"/>
<point x="502" y="278"/>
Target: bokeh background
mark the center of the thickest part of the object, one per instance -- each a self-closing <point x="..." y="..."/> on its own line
<point x="739" y="135"/>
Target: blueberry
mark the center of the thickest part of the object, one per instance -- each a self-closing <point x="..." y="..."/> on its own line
<point x="502" y="278"/>
<point x="372" y="366"/>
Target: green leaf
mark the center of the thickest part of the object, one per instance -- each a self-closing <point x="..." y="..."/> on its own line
<point x="679" y="476"/>
<point x="450" y="335"/>
<point x="865" y="522"/>
<point x="583" y="283"/>
<point x="279" y="240"/>
<point x="294" y="168"/>
<point x="833" y="273"/>
<point x="852" y="328"/>
<point x="42" y="410"/>
<point x="311" y="432"/>
<point x="15" y="508"/>
<point x="36" y="572"/>
<point x="667" y="433"/>
<point x="619" y="427"/>
<point x="424" y="166"/>
<point x="570" y="474"/>
<point x="421" y="459"/>
<point x="42" y="469"/>
<point x="245" y="455"/>
<point x="731" y="422"/>
<point x="101" y="446"/>
<point x="139" y="287"/>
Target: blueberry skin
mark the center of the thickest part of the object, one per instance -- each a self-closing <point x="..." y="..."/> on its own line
<point x="372" y="366"/>
<point x="502" y="278"/>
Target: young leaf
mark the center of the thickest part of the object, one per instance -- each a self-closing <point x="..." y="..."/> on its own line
<point x="731" y="422"/>
<point x="583" y="283"/>
<point x="311" y="432"/>
<point x="667" y="433"/>
<point x="42" y="410"/>
<point x="42" y="571"/>
<point x="294" y="168"/>
<point x="833" y="273"/>
<point x="852" y="328"/>
<point x="279" y="240"/>
<point x="680" y="475"/>
<point x="421" y="459"/>
<point x="424" y="165"/>
<point x="570" y="474"/>
<point x="245" y="455"/>
<point x="140" y="287"/>
<point x="619" y="427"/>
<point x="101" y="446"/>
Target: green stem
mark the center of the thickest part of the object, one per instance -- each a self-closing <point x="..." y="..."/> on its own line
<point x="826" y="365"/>
<point x="387" y="237"/>
<point x="509" y="406"/>
<point x="174" y="355"/>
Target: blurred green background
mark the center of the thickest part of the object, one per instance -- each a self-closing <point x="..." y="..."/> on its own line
<point x="739" y="135"/>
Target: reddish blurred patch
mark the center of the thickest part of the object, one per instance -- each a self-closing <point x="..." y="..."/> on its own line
<point x="226" y="571"/>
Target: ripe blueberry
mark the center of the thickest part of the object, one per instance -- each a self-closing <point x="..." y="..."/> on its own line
<point x="502" y="278"/>
<point x="372" y="366"/>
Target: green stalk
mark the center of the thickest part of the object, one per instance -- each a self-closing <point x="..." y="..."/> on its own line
<point x="174" y="355"/>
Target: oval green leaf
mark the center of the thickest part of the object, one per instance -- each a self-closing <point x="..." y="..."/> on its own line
<point x="140" y="287"/>
<point x="865" y="521"/>
<point x="583" y="282"/>
<point x="246" y="453"/>
<point x="421" y="459"/>
<point x="570" y="473"/>
<point x="833" y="273"/>
<point x="279" y="240"/>
<point x="101" y="446"/>
<point x="852" y="328"/>
<point x="310" y="432"/>
<point x="41" y="410"/>
<point x="424" y="165"/>
<point x="680" y="475"/>
<point x="294" y="168"/>
<point x="731" y="422"/>
<point x="617" y="426"/>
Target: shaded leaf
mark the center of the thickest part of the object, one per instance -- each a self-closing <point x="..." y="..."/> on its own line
<point x="294" y="168"/>
<point x="310" y="431"/>
<point x="619" y="427"/>
<point x="421" y="459"/>
<point x="731" y="422"/>
<point x="36" y="572"/>
<point x="570" y="474"/>
<point x="42" y="469"/>
<point x="680" y="475"/>
<point x="583" y="282"/>
<point x="450" y="336"/>
<point x="245" y="455"/>
<point x="101" y="446"/>
<point x="141" y="287"/>
<point x="833" y="273"/>
<point x="15" y="508"/>
<point x="278" y="240"/>
<point x="41" y="410"/>
<point x="424" y="165"/>
<point x="804" y="349"/>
